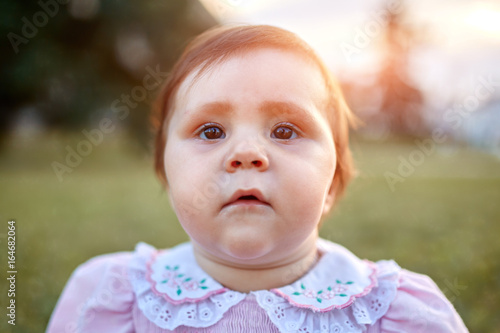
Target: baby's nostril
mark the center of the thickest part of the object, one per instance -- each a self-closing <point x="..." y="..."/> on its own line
<point x="257" y="163"/>
<point x="235" y="164"/>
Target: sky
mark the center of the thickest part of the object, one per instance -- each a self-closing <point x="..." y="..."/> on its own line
<point x="459" y="39"/>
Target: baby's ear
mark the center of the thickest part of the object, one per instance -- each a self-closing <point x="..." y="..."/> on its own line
<point x="169" y="197"/>
<point x="330" y="196"/>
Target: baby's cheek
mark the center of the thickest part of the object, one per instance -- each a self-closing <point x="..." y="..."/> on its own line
<point x="182" y="190"/>
<point x="306" y="193"/>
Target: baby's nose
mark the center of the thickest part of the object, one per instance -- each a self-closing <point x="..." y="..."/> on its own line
<point x="247" y="155"/>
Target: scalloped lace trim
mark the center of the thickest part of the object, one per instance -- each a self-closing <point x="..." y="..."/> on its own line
<point x="364" y="311"/>
<point x="287" y="316"/>
<point x="333" y="295"/>
<point x="166" y="315"/>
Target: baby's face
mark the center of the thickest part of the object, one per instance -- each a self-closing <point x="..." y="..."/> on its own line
<point x="250" y="156"/>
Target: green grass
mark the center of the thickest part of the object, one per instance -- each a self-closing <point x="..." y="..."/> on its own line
<point x="443" y="220"/>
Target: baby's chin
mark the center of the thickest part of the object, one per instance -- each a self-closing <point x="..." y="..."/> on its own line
<point x="246" y="248"/>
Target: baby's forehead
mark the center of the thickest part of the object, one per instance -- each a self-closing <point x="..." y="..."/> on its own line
<point x="266" y="64"/>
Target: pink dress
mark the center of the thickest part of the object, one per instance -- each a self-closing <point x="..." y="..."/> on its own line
<point x="166" y="291"/>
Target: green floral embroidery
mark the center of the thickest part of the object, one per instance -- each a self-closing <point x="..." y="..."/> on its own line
<point x="330" y="292"/>
<point x="180" y="282"/>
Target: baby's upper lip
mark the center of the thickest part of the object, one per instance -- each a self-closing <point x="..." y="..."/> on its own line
<point x="242" y="193"/>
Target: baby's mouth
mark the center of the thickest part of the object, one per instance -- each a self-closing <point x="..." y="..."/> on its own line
<point x="247" y="198"/>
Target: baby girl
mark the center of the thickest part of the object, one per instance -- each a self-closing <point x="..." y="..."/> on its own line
<point x="252" y="146"/>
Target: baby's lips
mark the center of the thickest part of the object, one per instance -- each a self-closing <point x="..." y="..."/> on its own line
<point x="247" y="195"/>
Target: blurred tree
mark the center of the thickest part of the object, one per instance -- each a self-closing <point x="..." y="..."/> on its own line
<point x="71" y="60"/>
<point x="402" y="102"/>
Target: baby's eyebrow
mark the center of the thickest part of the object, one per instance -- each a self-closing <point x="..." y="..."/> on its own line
<point x="215" y="108"/>
<point x="277" y="108"/>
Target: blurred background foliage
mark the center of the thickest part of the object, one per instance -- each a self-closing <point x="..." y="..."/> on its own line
<point x="441" y="219"/>
<point x="76" y="63"/>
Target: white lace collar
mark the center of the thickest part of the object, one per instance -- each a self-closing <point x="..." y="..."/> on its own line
<point x="172" y="290"/>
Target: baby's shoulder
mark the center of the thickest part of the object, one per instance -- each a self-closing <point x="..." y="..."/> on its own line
<point x="105" y="262"/>
<point x="111" y="266"/>
<point x="402" y="300"/>
<point x="419" y="305"/>
<point x="96" y="288"/>
<point x="103" y="272"/>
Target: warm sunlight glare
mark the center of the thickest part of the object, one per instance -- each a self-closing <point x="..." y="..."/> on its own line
<point x="484" y="19"/>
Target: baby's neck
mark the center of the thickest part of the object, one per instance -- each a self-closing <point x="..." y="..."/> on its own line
<point x="246" y="279"/>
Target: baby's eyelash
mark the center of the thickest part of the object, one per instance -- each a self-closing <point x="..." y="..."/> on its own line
<point x="207" y="125"/>
<point x="217" y="134"/>
<point x="295" y="132"/>
<point x="286" y="124"/>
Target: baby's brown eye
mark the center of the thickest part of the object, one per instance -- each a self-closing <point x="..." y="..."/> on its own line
<point x="212" y="133"/>
<point x="284" y="133"/>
